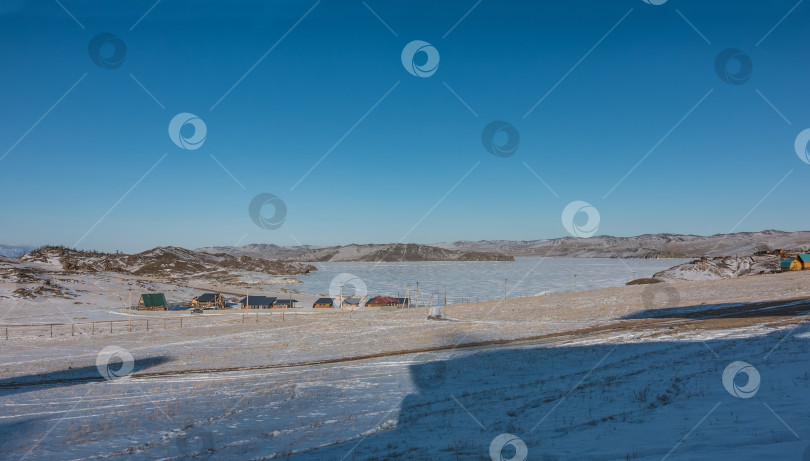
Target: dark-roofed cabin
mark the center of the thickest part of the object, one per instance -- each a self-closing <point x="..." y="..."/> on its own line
<point x="380" y="301"/>
<point x="351" y="302"/>
<point x="404" y="302"/>
<point x="285" y="303"/>
<point x="324" y="303"/>
<point x="209" y="301"/>
<point x="153" y="301"/>
<point x="257" y="302"/>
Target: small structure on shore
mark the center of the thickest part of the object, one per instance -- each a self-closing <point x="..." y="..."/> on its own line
<point x="804" y="260"/>
<point x="208" y="301"/>
<point x="285" y="303"/>
<point x="153" y="301"/>
<point x="257" y="302"/>
<point x="324" y="303"/>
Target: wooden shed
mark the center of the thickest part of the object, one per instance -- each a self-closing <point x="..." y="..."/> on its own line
<point x="208" y="301"/>
<point x="804" y="260"/>
<point x="153" y="301"/>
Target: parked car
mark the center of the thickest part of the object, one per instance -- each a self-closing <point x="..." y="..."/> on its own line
<point x="196" y="310"/>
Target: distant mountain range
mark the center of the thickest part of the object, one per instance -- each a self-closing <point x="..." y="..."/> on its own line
<point x="642" y="246"/>
<point x="645" y="246"/>
<point x="359" y="253"/>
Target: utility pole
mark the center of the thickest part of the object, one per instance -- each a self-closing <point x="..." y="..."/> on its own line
<point x="504" y="289"/>
<point x="445" y="294"/>
<point x="129" y="307"/>
<point x="575" y="283"/>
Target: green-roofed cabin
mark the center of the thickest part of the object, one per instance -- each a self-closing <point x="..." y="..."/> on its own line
<point x="804" y="259"/>
<point x="153" y="301"/>
<point x="790" y="265"/>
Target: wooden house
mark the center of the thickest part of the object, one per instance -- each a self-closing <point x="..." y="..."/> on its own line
<point x="209" y="301"/>
<point x="153" y="301"/>
<point x="790" y="265"/>
<point x="324" y="303"/>
<point x="285" y="303"/>
<point x="381" y="301"/>
<point x="804" y="260"/>
<point x="257" y="302"/>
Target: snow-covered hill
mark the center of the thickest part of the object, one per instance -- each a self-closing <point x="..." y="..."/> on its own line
<point x="645" y="246"/>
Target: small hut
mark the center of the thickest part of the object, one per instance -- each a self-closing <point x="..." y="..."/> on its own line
<point x="804" y="260"/>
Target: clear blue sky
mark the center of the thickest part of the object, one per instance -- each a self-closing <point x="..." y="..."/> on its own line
<point x="380" y="182"/>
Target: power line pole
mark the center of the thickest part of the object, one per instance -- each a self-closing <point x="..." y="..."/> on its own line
<point x="504" y="289"/>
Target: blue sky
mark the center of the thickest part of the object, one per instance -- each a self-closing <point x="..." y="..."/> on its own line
<point x="397" y="175"/>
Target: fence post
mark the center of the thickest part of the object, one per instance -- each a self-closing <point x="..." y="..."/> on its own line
<point x="51" y="330"/>
<point x="181" y="322"/>
<point x="164" y="324"/>
<point x="257" y="317"/>
<point x="147" y="324"/>
<point x="93" y="330"/>
<point x="110" y="326"/>
<point x="6" y="333"/>
<point x="71" y="329"/>
<point x="243" y="318"/>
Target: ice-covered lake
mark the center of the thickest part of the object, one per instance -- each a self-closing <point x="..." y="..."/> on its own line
<point x="482" y="281"/>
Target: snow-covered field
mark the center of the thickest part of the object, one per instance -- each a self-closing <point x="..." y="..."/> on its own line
<point x="630" y="372"/>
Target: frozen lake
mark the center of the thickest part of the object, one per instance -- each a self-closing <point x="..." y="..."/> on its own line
<point x="482" y="281"/>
